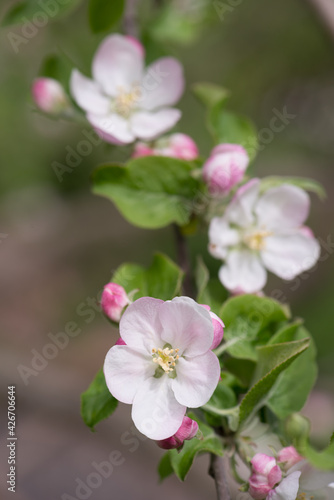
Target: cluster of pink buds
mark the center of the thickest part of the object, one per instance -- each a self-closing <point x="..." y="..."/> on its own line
<point x="266" y="478"/>
<point x="179" y="146"/>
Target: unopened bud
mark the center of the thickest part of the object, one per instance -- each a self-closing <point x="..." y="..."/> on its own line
<point x="113" y="301"/>
<point x="188" y="430"/>
<point x="49" y="95"/>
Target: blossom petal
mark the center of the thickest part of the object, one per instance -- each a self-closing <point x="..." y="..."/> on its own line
<point x="155" y="411"/>
<point x="240" y="210"/>
<point x="163" y="84"/>
<point x="112" y="128"/>
<point x="221" y="236"/>
<point x="287" y="489"/>
<point x="186" y="326"/>
<point x="88" y="94"/>
<point x="196" y="379"/>
<point x="118" y="64"/>
<point x="125" y="370"/>
<point x="288" y="256"/>
<point x="146" y="125"/>
<point x="140" y="325"/>
<point x="243" y="272"/>
<point x="282" y="208"/>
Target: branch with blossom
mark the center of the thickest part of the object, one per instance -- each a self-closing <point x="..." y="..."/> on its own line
<point x="201" y="358"/>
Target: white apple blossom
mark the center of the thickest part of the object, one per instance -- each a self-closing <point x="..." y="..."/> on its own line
<point x="166" y="365"/>
<point x="124" y="102"/>
<point x="260" y="232"/>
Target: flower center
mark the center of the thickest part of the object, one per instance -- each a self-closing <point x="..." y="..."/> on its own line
<point x="303" y="496"/>
<point x="166" y="358"/>
<point x="125" y="101"/>
<point x="257" y="239"/>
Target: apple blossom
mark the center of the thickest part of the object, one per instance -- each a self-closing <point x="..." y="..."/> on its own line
<point x="175" y="146"/>
<point x="113" y="301"/>
<point x="218" y="327"/>
<point x="261" y="232"/>
<point x="187" y="431"/>
<point x="166" y="365"/>
<point x="225" y="168"/>
<point x="289" y="456"/>
<point x="49" y="95"/>
<point x="123" y="102"/>
<point x="265" y="475"/>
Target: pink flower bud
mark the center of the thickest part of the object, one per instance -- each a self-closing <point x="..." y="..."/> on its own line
<point x="188" y="430"/>
<point x="113" y="301"/>
<point x="218" y="327"/>
<point x="175" y="146"/>
<point x="289" y="457"/>
<point x="49" y="95"/>
<point x="265" y="475"/>
<point x="225" y="168"/>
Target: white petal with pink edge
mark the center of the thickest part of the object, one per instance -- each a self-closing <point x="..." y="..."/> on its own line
<point x="240" y="210"/>
<point x="155" y="411"/>
<point x="162" y="84"/>
<point x="118" y="64"/>
<point x="282" y="208"/>
<point x="149" y="125"/>
<point x="112" y="128"/>
<point x="140" y="325"/>
<point x="125" y="370"/>
<point x="244" y="271"/>
<point x="288" y="256"/>
<point x="196" y="379"/>
<point x="88" y="94"/>
<point x="187" y="326"/>
<point x="287" y="489"/>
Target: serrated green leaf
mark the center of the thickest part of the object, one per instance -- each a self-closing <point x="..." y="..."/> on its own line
<point x="303" y="183"/>
<point x="210" y="94"/>
<point x="150" y="192"/>
<point x="165" y="468"/>
<point x="273" y="360"/>
<point x="162" y="280"/>
<point x="182" y="461"/>
<point x="104" y="14"/>
<point x="97" y="403"/>
<point x="247" y="321"/>
<point x="25" y="10"/>
<point x="295" y="383"/>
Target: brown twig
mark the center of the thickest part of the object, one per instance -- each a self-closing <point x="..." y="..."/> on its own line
<point x="130" y="21"/>
<point x="217" y="472"/>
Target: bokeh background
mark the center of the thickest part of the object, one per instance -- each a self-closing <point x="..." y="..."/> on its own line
<point x="60" y="244"/>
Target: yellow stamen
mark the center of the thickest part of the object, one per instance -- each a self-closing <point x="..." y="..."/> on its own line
<point x="166" y="358"/>
<point x="256" y="240"/>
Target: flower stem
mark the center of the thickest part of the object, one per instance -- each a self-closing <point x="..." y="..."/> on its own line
<point x="184" y="261"/>
<point x="217" y="472"/>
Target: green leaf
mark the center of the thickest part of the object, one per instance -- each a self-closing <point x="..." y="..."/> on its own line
<point x="162" y="280"/>
<point x="223" y="398"/>
<point x="213" y="295"/>
<point x="97" y="403"/>
<point x="182" y="461"/>
<point x="210" y="94"/>
<point x="165" y="468"/>
<point x="273" y="360"/>
<point x="232" y="128"/>
<point x="103" y="14"/>
<point x="202" y="277"/>
<point x="298" y="429"/>
<point x="57" y="67"/>
<point x="248" y="321"/>
<point x="27" y="9"/>
<point x="295" y="383"/>
<point x="303" y="183"/>
<point x="150" y="192"/>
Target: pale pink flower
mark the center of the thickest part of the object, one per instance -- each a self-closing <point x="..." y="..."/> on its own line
<point x="114" y="299"/>
<point x="187" y="431"/>
<point x="49" y="95"/>
<point x="289" y="457"/>
<point x="175" y="146"/>
<point x="225" y="168"/>
<point x="166" y="365"/>
<point x="261" y="232"/>
<point x="265" y="475"/>
<point x="124" y="102"/>
<point x="218" y="327"/>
